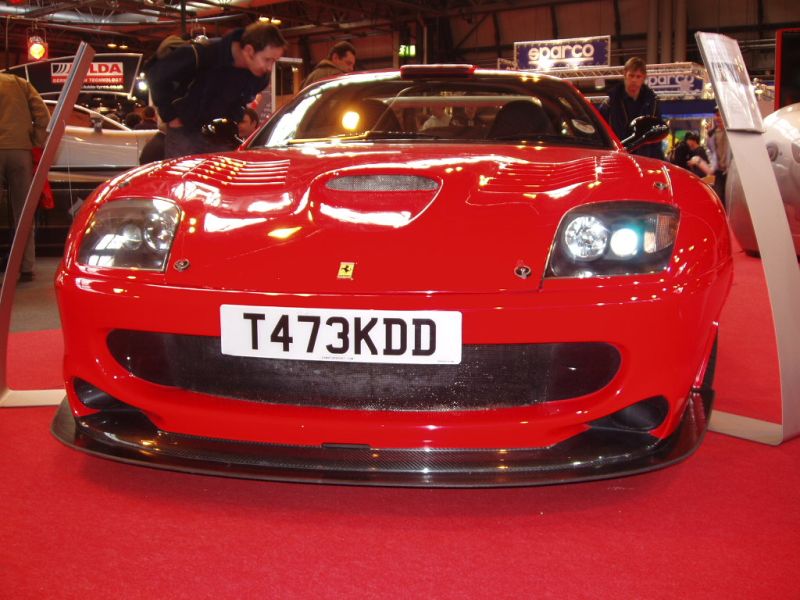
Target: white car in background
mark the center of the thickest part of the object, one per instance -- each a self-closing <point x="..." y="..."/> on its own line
<point x="782" y="138"/>
<point x="95" y="147"/>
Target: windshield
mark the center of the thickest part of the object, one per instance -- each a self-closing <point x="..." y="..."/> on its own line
<point x="492" y="107"/>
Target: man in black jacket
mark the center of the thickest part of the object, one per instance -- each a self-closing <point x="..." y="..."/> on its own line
<point x="631" y="99"/>
<point x="195" y="84"/>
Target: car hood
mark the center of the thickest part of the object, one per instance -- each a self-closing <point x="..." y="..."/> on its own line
<point x="464" y="219"/>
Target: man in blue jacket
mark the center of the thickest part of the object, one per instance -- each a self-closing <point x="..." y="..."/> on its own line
<point x="631" y="99"/>
<point x="194" y="84"/>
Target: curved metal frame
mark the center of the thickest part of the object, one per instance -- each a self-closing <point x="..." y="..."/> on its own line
<point x="68" y="97"/>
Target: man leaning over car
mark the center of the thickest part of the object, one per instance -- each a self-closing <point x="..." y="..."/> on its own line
<point x="196" y="84"/>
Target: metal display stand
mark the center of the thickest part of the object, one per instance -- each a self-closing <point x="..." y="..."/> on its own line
<point x="68" y="97"/>
<point x="744" y="127"/>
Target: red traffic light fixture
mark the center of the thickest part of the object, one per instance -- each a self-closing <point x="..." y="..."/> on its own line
<point x="37" y="45"/>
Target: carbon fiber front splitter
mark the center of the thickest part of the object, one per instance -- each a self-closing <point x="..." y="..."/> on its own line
<point x="128" y="436"/>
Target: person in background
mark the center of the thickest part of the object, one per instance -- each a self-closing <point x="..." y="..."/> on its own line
<point x="679" y="155"/>
<point x="467" y="117"/>
<point x="153" y="150"/>
<point x="341" y="59"/>
<point x="690" y="155"/>
<point x="195" y="84"/>
<point x="631" y="99"/>
<point x="148" y="119"/>
<point x="697" y="159"/>
<point x="23" y="126"/>
<point x="719" y="152"/>
<point x="438" y="118"/>
<point x="248" y="124"/>
<point x="131" y="120"/>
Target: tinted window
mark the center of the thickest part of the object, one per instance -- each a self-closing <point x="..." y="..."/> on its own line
<point x="496" y="108"/>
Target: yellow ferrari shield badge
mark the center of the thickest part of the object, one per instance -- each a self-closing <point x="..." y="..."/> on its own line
<point x="346" y="270"/>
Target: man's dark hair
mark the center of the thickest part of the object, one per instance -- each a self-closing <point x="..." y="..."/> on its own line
<point x="252" y="114"/>
<point x="341" y="49"/>
<point x="691" y="135"/>
<point x="260" y="35"/>
<point x="148" y="112"/>
<point x="635" y="64"/>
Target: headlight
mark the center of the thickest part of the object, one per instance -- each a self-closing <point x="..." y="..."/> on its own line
<point x="130" y="234"/>
<point x="615" y="238"/>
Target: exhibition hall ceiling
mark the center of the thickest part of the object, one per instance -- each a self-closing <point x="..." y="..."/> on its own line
<point x="146" y="21"/>
<point x="139" y="25"/>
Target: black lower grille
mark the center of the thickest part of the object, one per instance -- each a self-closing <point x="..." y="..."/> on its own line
<point x="489" y="375"/>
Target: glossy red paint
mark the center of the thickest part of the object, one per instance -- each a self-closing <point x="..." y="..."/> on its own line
<point x="660" y="322"/>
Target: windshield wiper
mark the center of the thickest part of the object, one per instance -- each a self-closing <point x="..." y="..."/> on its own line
<point x="400" y="135"/>
<point x="550" y="137"/>
<point x="546" y="137"/>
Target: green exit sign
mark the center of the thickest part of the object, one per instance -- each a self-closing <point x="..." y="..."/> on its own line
<point x="407" y="50"/>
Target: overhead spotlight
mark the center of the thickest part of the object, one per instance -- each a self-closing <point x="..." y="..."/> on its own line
<point x="271" y="20"/>
<point x="111" y="45"/>
<point x="37" y="46"/>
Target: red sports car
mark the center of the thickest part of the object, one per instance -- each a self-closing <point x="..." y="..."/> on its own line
<point x="437" y="276"/>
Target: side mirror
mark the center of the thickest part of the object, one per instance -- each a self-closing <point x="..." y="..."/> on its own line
<point x="97" y="124"/>
<point x="645" y="130"/>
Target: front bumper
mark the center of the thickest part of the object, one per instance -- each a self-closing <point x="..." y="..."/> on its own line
<point x="128" y="436"/>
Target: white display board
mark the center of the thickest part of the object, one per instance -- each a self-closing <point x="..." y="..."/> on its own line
<point x="739" y="110"/>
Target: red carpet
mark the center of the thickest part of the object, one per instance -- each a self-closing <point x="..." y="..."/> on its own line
<point x="747" y="378"/>
<point x="723" y="524"/>
<point x="34" y="360"/>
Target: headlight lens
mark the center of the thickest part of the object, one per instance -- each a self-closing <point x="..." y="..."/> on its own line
<point x="131" y="234"/>
<point x="586" y="237"/>
<point x="614" y="239"/>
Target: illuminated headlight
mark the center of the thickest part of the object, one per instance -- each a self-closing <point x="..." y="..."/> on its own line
<point x="619" y="238"/>
<point x="130" y="234"/>
<point x="586" y="237"/>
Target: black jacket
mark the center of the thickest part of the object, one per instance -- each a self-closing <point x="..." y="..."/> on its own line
<point x="198" y="83"/>
<point x="619" y="110"/>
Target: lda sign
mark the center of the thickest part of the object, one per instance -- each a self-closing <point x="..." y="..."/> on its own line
<point x="573" y="53"/>
<point x="105" y="74"/>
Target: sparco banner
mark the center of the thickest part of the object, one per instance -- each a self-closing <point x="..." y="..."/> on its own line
<point x="571" y="53"/>
<point x="677" y="84"/>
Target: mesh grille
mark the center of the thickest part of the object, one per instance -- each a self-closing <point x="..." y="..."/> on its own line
<point x="489" y="376"/>
<point x="383" y="183"/>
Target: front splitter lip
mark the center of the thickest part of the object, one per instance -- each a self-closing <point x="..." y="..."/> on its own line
<point x="130" y="437"/>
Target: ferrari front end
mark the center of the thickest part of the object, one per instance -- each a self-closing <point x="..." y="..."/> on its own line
<point x="396" y="312"/>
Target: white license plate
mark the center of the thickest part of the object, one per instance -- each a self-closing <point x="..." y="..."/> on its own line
<point x="373" y="336"/>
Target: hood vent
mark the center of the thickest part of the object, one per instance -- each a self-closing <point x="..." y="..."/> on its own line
<point x="383" y="183"/>
<point x="224" y="171"/>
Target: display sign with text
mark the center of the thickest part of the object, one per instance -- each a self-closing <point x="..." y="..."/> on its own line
<point x="111" y="72"/>
<point x="732" y="88"/>
<point x="573" y="53"/>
